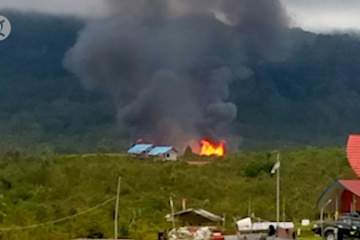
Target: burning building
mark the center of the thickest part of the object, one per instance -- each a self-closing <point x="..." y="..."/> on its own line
<point x="211" y="149"/>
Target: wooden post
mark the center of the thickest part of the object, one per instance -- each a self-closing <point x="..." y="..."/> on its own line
<point x="172" y="211"/>
<point x="117" y="208"/>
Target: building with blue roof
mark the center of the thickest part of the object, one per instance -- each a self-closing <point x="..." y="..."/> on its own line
<point x="166" y="153"/>
<point x="140" y="150"/>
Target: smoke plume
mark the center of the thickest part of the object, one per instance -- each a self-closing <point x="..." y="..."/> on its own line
<point x="169" y="64"/>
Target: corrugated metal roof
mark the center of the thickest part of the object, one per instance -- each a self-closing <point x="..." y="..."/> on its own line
<point x="208" y="215"/>
<point x="353" y="152"/>
<point x="160" y="150"/>
<point x="195" y="216"/>
<point x="139" y="148"/>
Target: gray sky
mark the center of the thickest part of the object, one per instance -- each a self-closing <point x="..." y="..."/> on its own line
<point x="313" y="15"/>
<point x="324" y="15"/>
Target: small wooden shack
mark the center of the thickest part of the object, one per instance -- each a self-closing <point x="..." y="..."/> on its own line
<point x="194" y="217"/>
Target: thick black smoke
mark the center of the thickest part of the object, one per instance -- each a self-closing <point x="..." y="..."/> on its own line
<point x="169" y="64"/>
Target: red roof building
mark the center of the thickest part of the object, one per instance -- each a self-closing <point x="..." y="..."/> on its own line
<point x="344" y="195"/>
<point x="353" y="152"/>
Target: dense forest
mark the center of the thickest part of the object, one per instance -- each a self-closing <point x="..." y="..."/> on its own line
<point x="47" y="186"/>
<point x="310" y="98"/>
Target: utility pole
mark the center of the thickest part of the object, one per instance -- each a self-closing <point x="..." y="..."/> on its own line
<point x="278" y="192"/>
<point x="276" y="168"/>
<point x="249" y="207"/>
<point x="117" y="208"/>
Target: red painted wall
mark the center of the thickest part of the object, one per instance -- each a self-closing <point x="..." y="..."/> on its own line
<point x="347" y="199"/>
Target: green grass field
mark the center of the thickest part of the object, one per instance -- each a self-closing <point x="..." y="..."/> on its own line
<point x="45" y="187"/>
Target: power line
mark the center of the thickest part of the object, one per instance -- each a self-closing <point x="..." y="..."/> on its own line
<point x="61" y="219"/>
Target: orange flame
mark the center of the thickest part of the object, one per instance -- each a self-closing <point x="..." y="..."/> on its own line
<point x="209" y="149"/>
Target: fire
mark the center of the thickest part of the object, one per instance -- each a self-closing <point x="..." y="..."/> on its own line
<point x="209" y="149"/>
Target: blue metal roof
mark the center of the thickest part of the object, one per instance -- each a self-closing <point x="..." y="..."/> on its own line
<point x="139" y="148"/>
<point x="160" y="150"/>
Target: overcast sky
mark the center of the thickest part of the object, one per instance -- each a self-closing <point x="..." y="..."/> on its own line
<point x="313" y="15"/>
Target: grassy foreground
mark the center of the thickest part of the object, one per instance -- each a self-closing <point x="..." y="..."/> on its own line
<point x="47" y="186"/>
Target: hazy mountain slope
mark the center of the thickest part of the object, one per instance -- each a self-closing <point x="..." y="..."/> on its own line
<point x="311" y="98"/>
<point x="40" y="103"/>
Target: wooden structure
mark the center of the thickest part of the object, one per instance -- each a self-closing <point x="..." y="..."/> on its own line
<point x="140" y="150"/>
<point x="344" y="195"/>
<point x="165" y="153"/>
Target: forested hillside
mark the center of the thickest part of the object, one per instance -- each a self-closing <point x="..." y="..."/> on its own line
<point x="47" y="186"/>
<point x="311" y="98"/>
<point x="40" y="103"/>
